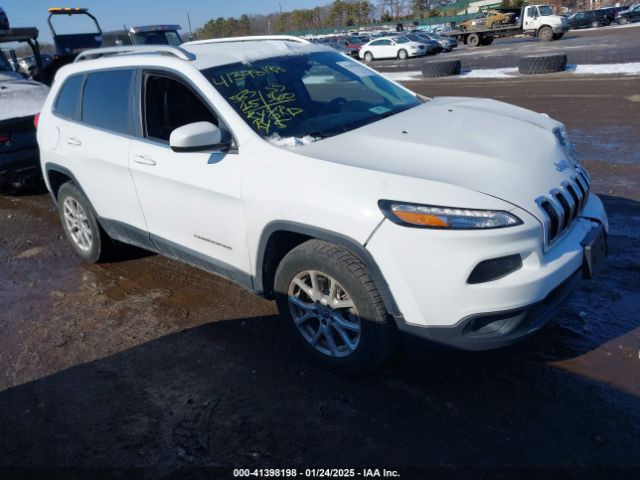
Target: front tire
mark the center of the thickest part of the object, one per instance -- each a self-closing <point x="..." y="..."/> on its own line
<point x="403" y="55"/>
<point x="80" y="225"/>
<point x="545" y="34"/>
<point x="333" y="309"/>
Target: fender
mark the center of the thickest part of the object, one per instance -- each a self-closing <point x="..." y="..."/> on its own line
<point x="337" y="238"/>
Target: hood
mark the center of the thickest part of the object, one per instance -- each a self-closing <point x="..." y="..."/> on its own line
<point x="21" y="98"/>
<point x="483" y="145"/>
<point x="555" y="19"/>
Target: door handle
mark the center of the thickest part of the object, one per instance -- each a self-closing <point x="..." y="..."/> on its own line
<point x="73" y="141"/>
<point x="144" y="160"/>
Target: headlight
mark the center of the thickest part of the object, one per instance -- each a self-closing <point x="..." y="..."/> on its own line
<point x="428" y="216"/>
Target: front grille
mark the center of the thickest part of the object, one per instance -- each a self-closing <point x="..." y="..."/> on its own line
<point x="563" y="205"/>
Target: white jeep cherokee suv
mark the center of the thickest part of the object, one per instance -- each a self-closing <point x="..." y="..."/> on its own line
<point x="364" y="209"/>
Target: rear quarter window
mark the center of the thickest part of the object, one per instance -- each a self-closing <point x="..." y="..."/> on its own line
<point x="106" y="101"/>
<point x="67" y="101"/>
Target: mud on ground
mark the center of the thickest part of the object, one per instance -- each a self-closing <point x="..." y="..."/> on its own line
<point x="149" y="363"/>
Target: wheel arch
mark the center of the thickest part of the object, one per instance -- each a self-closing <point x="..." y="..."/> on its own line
<point x="280" y="237"/>
<point x="56" y="176"/>
<point x="543" y="26"/>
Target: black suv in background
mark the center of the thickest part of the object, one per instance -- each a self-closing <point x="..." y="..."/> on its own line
<point x="591" y="18"/>
<point x="629" y="16"/>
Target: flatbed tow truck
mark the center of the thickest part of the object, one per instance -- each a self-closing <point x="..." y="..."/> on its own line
<point x="535" y="20"/>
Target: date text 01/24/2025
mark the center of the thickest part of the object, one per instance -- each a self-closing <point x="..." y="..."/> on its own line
<point x="315" y="473"/>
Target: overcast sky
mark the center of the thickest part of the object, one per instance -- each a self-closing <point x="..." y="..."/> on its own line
<point x="113" y="14"/>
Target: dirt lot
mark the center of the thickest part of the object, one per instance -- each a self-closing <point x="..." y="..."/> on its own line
<point x="149" y="364"/>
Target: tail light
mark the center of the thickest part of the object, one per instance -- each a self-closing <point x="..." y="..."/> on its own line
<point x="36" y="120"/>
<point x="5" y="138"/>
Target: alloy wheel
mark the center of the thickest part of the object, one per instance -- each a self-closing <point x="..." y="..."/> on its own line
<point x="324" y="314"/>
<point x="77" y="224"/>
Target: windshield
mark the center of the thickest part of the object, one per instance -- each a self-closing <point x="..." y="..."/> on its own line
<point x="545" y="10"/>
<point x="319" y="94"/>
<point x="158" y="38"/>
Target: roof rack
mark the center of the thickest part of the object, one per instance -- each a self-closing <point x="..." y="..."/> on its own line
<point x="177" y="52"/>
<point x="286" y="38"/>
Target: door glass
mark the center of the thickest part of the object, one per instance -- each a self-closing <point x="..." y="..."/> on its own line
<point x="67" y="100"/>
<point x="170" y="104"/>
<point x="105" y="102"/>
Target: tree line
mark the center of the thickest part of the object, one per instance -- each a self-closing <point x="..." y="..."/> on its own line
<point x="339" y="14"/>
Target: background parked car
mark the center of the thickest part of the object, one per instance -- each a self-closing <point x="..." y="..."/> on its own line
<point x="392" y="47"/>
<point x="631" y="15"/>
<point x="342" y="49"/>
<point x="441" y="39"/>
<point x="145" y="35"/>
<point x="591" y="18"/>
<point x="431" y="45"/>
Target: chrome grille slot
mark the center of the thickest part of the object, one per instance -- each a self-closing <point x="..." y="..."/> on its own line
<point x="576" y="202"/>
<point x="566" y="209"/>
<point x="562" y="206"/>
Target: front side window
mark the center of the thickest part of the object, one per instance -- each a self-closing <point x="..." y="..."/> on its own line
<point x="106" y="101"/>
<point x="67" y="101"/>
<point x="320" y="94"/>
<point x="170" y="104"/>
<point x="401" y="40"/>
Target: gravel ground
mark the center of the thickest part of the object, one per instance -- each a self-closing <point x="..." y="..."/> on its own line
<point x="148" y="364"/>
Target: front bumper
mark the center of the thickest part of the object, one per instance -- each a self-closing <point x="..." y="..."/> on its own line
<point x="560" y="28"/>
<point x="427" y="273"/>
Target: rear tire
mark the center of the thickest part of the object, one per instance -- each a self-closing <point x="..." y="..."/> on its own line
<point x="368" y="57"/>
<point x="595" y="24"/>
<point x="473" y="40"/>
<point x="86" y="236"/>
<point x="332" y="308"/>
<point x="623" y="21"/>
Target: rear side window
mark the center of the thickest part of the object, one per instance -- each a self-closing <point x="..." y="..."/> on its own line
<point x="67" y="100"/>
<point x="106" y="101"/>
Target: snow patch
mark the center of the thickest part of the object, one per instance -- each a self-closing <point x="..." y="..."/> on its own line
<point x="279" y="141"/>
<point x="21" y="98"/>
<point x="512" y="72"/>
<point x="632" y="68"/>
<point x="490" y="73"/>
<point x="402" y="76"/>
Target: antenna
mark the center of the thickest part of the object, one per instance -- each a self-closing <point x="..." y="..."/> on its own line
<point x="190" y="30"/>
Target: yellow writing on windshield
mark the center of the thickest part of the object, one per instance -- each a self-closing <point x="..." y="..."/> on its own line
<point x="230" y="79"/>
<point x="270" y="107"/>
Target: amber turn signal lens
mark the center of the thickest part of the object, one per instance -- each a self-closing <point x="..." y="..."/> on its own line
<point x="423" y="219"/>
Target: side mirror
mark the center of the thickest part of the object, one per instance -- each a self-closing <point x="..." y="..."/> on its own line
<point x="197" y="137"/>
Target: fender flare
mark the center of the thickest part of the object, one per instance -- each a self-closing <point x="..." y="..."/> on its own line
<point x="321" y="234"/>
